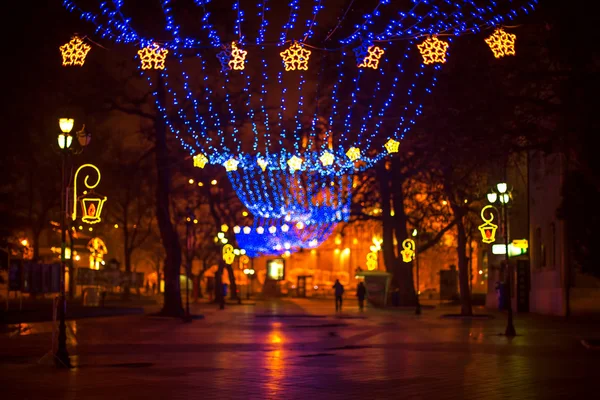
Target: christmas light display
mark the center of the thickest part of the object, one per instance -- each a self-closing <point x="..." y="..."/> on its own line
<point x="91" y="202"/>
<point x="392" y="146"/>
<point x="153" y="57"/>
<point x="367" y="56"/>
<point x="228" y="254"/>
<point x="268" y="237"/>
<point x="327" y="159"/>
<point x="200" y="160"/>
<point x="232" y="57"/>
<point x="487" y="229"/>
<point x="408" y="250"/>
<point x="231" y="164"/>
<point x="295" y="57"/>
<point x="74" y="52"/>
<point x="433" y="50"/>
<point x="502" y="43"/>
<point x="283" y="138"/>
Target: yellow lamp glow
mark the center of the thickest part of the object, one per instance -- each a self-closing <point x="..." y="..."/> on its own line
<point x="220" y="235"/>
<point x="433" y="50"/>
<point x="502" y="187"/>
<point x="492" y="197"/>
<point x="213" y="182"/>
<point x="91" y="206"/>
<point x="66" y="124"/>
<point x="244" y="213"/>
<point x="300" y="225"/>
<point x="64" y="141"/>
<point x="224" y="228"/>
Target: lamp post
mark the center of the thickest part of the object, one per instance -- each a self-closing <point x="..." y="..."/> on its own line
<point x="503" y="195"/>
<point x="190" y="221"/>
<point x="418" y="308"/>
<point x="65" y="140"/>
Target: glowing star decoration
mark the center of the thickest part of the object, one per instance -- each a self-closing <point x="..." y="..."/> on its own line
<point x="408" y="252"/>
<point x="392" y="146"/>
<point x="327" y="159"/>
<point x="487" y="229"/>
<point x="368" y="56"/>
<point x="502" y="43"/>
<point x="200" y="160"/>
<point x="74" y="52"/>
<point x="294" y="163"/>
<point x="353" y="153"/>
<point x="153" y="57"/>
<point x="231" y="165"/>
<point x="91" y="203"/>
<point x="262" y="163"/>
<point x="295" y="57"/>
<point x="433" y="50"/>
<point x="232" y="57"/>
<point x="228" y="254"/>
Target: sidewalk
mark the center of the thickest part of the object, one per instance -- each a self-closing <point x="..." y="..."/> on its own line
<point x="301" y="348"/>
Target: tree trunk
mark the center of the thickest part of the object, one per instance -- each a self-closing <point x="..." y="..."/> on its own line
<point x="387" y="246"/>
<point x="172" y="296"/>
<point x="127" y="259"/>
<point x="463" y="266"/>
<point x="232" y="284"/>
<point x="219" y="295"/>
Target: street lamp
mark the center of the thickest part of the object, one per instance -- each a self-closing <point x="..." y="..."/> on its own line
<point x="65" y="140"/>
<point x="418" y="308"/>
<point x="503" y="194"/>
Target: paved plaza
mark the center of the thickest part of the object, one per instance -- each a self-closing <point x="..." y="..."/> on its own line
<point x="302" y="349"/>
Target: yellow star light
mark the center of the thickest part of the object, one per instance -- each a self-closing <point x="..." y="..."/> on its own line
<point x="231" y="165"/>
<point x="372" y="60"/>
<point x="262" y="163"/>
<point x="353" y="153"/>
<point x="74" y="52"/>
<point x="153" y="57"/>
<point x="238" y="57"/>
<point x="392" y="146"/>
<point x="295" y="57"/>
<point x="294" y="163"/>
<point x="433" y="50"/>
<point x="502" y="43"/>
<point x="200" y="160"/>
<point x="327" y="159"/>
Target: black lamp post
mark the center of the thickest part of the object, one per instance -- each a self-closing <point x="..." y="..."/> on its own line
<point x="65" y="140"/>
<point x="418" y="307"/>
<point x="190" y="220"/>
<point x="503" y="195"/>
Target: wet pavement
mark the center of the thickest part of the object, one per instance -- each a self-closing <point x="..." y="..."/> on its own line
<point x="299" y="349"/>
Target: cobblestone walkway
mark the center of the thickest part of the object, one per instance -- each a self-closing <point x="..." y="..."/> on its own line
<point x="300" y="349"/>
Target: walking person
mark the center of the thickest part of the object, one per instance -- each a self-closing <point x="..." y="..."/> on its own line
<point x="361" y="291"/>
<point x="339" y="291"/>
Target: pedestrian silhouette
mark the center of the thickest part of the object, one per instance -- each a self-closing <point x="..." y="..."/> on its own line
<point x="339" y="291"/>
<point x="361" y="291"/>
